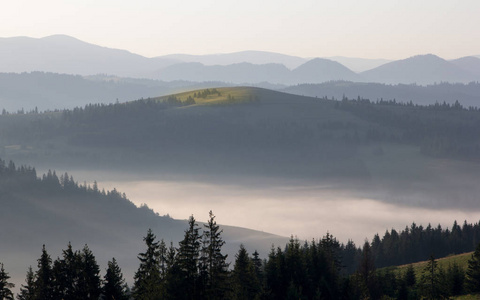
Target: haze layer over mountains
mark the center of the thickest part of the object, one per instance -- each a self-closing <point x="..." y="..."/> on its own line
<point x="59" y="72"/>
<point x="64" y="54"/>
<point x="90" y="108"/>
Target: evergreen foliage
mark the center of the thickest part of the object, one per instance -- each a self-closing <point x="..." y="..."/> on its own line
<point x="147" y="278"/>
<point x="431" y="284"/>
<point x="44" y="277"/>
<point x="473" y="272"/>
<point x="188" y="260"/>
<point x="5" y="286"/>
<point x="27" y="291"/>
<point x="245" y="284"/>
<point x="89" y="277"/>
<point x="114" y="286"/>
<point x="312" y="270"/>
<point x="216" y="267"/>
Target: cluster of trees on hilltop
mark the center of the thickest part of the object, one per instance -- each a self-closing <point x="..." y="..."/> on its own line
<point x="197" y="269"/>
<point x="416" y="243"/>
<point x="441" y="130"/>
<point x="467" y="94"/>
<point x="20" y="179"/>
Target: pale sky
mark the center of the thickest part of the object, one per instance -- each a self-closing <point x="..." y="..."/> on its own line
<point x="308" y="28"/>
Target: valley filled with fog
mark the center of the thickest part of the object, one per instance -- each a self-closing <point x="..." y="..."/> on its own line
<point x="288" y="207"/>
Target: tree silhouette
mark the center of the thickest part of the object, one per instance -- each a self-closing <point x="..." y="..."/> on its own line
<point x="5" y="286"/>
<point x="114" y="286"/>
<point x="472" y="280"/>
<point x="27" y="291"/>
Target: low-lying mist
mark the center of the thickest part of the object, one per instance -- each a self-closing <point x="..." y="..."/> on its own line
<point x="288" y="207"/>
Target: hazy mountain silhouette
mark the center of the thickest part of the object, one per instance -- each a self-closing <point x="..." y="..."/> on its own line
<point x="236" y="73"/>
<point x="253" y="57"/>
<point x="65" y="54"/>
<point x="470" y="64"/>
<point x="467" y="94"/>
<point x="49" y="91"/>
<point x="420" y="69"/>
<point x="314" y="71"/>
<point x="359" y="64"/>
<point x="320" y="70"/>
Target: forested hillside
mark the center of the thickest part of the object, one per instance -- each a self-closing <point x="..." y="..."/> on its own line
<point x="198" y="268"/>
<point x="54" y="210"/>
<point x="380" y="146"/>
<point x="467" y="94"/>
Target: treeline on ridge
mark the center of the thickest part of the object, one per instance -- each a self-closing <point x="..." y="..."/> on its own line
<point x="323" y="269"/>
<point x="440" y="130"/>
<point x="197" y="269"/>
<point x="412" y="244"/>
<point x="147" y="125"/>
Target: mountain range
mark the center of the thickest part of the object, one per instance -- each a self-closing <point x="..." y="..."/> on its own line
<point x="424" y="69"/>
<point x="64" y="54"/>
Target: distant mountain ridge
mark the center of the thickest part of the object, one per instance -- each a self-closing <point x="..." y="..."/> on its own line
<point x="420" y="69"/>
<point x="253" y="57"/>
<point x="50" y="91"/>
<point x="470" y="64"/>
<point x="313" y="71"/>
<point x="65" y="54"/>
<point x="467" y="94"/>
<point x="359" y="64"/>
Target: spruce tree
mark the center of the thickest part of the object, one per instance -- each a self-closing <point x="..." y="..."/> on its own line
<point x="44" y="277"/>
<point x="258" y="265"/>
<point x="455" y="279"/>
<point x="66" y="274"/>
<point x="5" y="286"/>
<point x="114" y="287"/>
<point x="245" y="283"/>
<point x="431" y="282"/>
<point x="147" y="278"/>
<point x="472" y="278"/>
<point x="215" y="261"/>
<point x="89" y="277"/>
<point x="366" y="272"/>
<point x="27" y="291"/>
<point x="187" y="259"/>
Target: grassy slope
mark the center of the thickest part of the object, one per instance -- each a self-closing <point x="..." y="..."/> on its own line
<point x="445" y="262"/>
<point x="460" y="259"/>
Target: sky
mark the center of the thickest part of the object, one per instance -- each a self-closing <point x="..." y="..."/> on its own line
<point x="307" y="28"/>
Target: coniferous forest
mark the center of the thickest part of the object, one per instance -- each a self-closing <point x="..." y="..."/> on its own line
<point x="272" y="150"/>
<point x="198" y="268"/>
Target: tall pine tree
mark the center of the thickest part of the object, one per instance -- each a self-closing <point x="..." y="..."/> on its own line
<point x="187" y="259"/>
<point x="27" y="291"/>
<point x="66" y="274"/>
<point x="147" y="281"/>
<point x="89" y="277"/>
<point x="216" y="265"/>
<point x="245" y="284"/>
<point x="472" y="280"/>
<point x="114" y="286"/>
<point x="44" y="277"/>
<point x="5" y="286"/>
